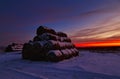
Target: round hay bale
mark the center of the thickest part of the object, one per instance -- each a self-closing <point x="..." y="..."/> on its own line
<point x="74" y="51"/>
<point x="54" y="55"/>
<point x="68" y="40"/>
<point x="27" y="50"/>
<point x="67" y="45"/>
<point x="61" y="34"/>
<point x="61" y="39"/>
<point x="70" y="52"/>
<point x="72" y="45"/>
<point x="77" y="52"/>
<point x="65" y="39"/>
<point x="48" y="36"/>
<point x="51" y="45"/>
<point x="62" y="45"/>
<point x="58" y="38"/>
<point x="38" y="53"/>
<point x="36" y="38"/>
<point x="37" y="48"/>
<point x="65" y="53"/>
<point x="44" y="29"/>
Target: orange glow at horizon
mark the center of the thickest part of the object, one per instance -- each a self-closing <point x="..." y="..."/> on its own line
<point x="99" y="44"/>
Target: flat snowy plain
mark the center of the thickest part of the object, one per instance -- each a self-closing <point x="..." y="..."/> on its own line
<point x="86" y="66"/>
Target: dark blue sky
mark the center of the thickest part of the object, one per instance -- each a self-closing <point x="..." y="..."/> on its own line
<point x="20" y="18"/>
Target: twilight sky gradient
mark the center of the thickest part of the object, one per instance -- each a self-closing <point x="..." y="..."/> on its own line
<point x="82" y="20"/>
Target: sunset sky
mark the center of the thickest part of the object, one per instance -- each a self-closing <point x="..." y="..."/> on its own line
<point x="85" y="21"/>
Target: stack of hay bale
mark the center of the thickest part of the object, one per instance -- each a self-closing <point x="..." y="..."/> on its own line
<point x="49" y="45"/>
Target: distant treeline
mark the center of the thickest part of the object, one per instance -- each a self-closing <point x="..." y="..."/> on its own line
<point x="103" y="49"/>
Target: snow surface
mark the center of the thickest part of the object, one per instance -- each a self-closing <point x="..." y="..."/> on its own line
<point x="86" y="66"/>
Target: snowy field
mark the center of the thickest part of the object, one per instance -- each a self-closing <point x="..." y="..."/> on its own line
<point x="86" y="66"/>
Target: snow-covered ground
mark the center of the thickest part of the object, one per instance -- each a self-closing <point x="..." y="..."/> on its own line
<point x="86" y="66"/>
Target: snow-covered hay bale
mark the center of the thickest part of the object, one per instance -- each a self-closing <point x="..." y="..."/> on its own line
<point x="54" y="55"/>
<point x="44" y="29"/>
<point x="62" y="45"/>
<point x="36" y="38"/>
<point x="66" y="54"/>
<point x="48" y="36"/>
<point x="70" y="52"/>
<point x="49" y="45"/>
<point x="68" y="45"/>
<point x="74" y="53"/>
<point x="65" y="39"/>
<point x="26" y="51"/>
<point x="61" y="34"/>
